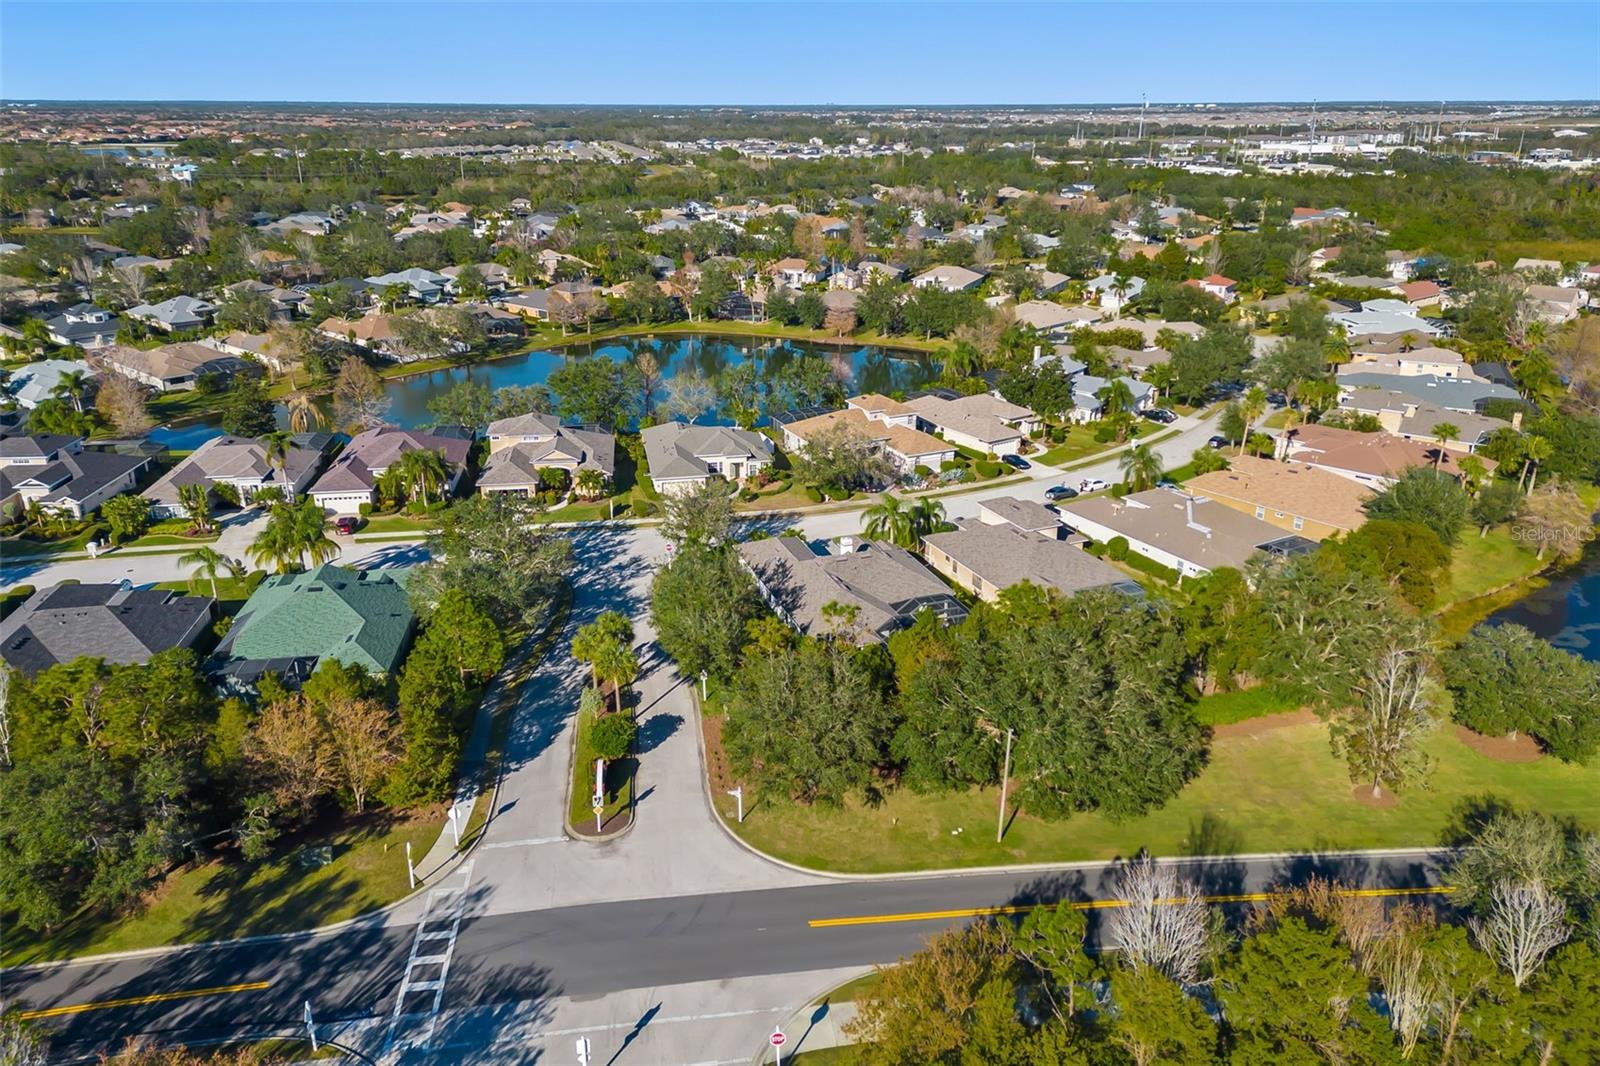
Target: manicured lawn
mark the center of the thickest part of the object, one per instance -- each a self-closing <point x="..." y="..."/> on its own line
<point x="225" y="899"/>
<point x="1277" y="791"/>
<point x="397" y="523"/>
<point x="1482" y="564"/>
<point x="1080" y="442"/>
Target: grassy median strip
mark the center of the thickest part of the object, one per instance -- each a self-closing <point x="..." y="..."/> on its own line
<point x="619" y="780"/>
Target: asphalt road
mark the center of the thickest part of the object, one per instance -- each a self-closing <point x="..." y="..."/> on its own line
<point x="594" y="950"/>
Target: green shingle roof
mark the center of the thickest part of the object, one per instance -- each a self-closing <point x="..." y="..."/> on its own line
<point x="359" y="617"/>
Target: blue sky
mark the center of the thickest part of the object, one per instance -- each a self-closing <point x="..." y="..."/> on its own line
<point x="779" y="52"/>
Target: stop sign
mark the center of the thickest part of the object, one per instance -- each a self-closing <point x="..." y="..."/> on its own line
<point x="777" y="1038"/>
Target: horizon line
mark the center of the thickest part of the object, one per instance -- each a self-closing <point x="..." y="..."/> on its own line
<point x="1372" y="102"/>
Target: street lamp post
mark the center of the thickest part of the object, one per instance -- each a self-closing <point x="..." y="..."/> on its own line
<point x="1005" y="775"/>
<point x="702" y="686"/>
<point x="455" y="822"/>
<point x="411" y="870"/>
<point x="738" y="797"/>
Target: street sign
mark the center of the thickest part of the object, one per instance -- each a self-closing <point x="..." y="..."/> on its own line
<point x="583" y="1051"/>
<point x="778" y="1038"/>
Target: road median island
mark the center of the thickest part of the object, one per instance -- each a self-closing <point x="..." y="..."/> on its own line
<point x="616" y="809"/>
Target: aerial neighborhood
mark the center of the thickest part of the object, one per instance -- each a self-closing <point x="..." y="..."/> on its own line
<point x="849" y="477"/>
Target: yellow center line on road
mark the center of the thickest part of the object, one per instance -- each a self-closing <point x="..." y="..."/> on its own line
<point x="137" y="1001"/>
<point x="1094" y="905"/>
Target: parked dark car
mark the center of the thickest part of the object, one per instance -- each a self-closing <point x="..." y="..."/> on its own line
<point x="1016" y="462"/>
<point x="1160" y="414"/>
<point x="346" y="524"/>
<point x="1219" y="441"/>
<point x="1059" y="492"/>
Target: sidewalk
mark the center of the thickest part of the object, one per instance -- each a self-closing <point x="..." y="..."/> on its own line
<point x="526" y="861"/>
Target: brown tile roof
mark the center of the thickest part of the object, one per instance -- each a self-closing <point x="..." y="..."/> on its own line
<point x="1381" y="455"/>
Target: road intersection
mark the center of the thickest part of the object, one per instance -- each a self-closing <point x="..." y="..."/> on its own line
<point x="670" y="943"/>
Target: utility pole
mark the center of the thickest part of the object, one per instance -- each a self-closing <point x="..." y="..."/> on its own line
<point x="1005" y="776"/>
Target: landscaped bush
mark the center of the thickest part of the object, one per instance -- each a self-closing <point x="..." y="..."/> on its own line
<point x="1058" y="434"/>
<point x="988" y="469"/>
<point x="952" y="464"/>
<point x="643" y="508"/>
<point x="1151" y="567"/>
<point x="1102" y="434"/>
<point x="923" y="472"/>
<point x="749" y="495"/>
<point x="1117" y="548"/>
<point x="813" y="494"/>
<point x="365" y="510"/>
<point x="835" y="492"/>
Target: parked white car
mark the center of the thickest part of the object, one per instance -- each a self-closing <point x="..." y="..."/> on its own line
<point x="1092" y="484"/>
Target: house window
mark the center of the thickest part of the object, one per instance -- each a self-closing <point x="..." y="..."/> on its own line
<point x="1299" y="523"/>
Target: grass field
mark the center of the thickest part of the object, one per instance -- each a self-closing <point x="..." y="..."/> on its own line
<point x="1080" y="442"/>
<point x="1225" y="708"/>
<point x="1281" y="790"/>
<point x="225" y="899"/>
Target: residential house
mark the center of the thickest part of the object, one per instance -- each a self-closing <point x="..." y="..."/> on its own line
<point x="794" y="272"/>
<point x="1148" y="329"/>
<point x="1298" y="497"/>
<point x="1555" y="304"/>
<point x="1407" y="416"/>
<point x="529" y="303"/>
<point x="1423" y="293"/>
<point x="33" y="383"/>
<point x="1046" y="282"/>
<point x="1312" y="216"/>
<point x="949" y="278"/>
<point x="261" y="347"/>
<point x="983" y="422"/>
<point x="1409" y="362"/>
<point x="1402" y="265"/>
<point x="1087" y="404"/>
<point x="313" y="222"/>
<point x="1224" y="289"/>
<point x="1454" y="394"/>
<point x="1526" y="265"/>
<point x="1375" y="460"/>
<point x="496" y="278"/>
<point x="39" y="449"/>
<point x="115" y="623"/>
<point x="1323" y="256"/>
<point x="889" y="426"/>
<point x="83" y="325"/>
<point x="1052" y="319"/>
<point x="1113" y="293"/>
<point x="496" y="323"/>
<point x="178" y="313"/>
<point x="351" y="479"/>
<point x="1013" y="541"/>
<point x="1190" y="534"/>
<point x="240" y="462"/>
<point x="871" y="267"/>
<point x="882" y="588"/>
<point x="524" y="445"/>
<point x="420" y="285"/>
<point x="283" y="304"/>
<point x="682" y="456"/>
<point x="292" y="622"/>
<point x="76" y="483"/>
<point x="1371" y="320"/>
<point x="374" y="331"/>
<point x="171" y="367"/>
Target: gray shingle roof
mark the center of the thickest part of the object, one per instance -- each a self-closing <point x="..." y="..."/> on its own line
<point x="678" y="449"/>
<point x="110" y="622"/>
<point x="1004" y="555"/>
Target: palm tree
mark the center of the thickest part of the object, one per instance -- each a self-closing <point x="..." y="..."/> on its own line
<point x="1472" y="472"/>
<point x="618" y="665"/>
<point x="926" y="516"/>
<point x="311" y="531"/>
<point x="1252" y="407"/>
<point x="591" y="482"/>
<point x="1141" y="467"/>
<point x="276" y="544"/>
<point x="196" y="503"/>
<point x="304" y="412"/>
<point x="423" y="469"/>
<point x="276" y="445"/>
<point x="1535" y="450"/>
<point x="207" y="562"/>
<point x="72" y="385"/>
<point x="1444" y="431"/>
<point x="888" y="520"/>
